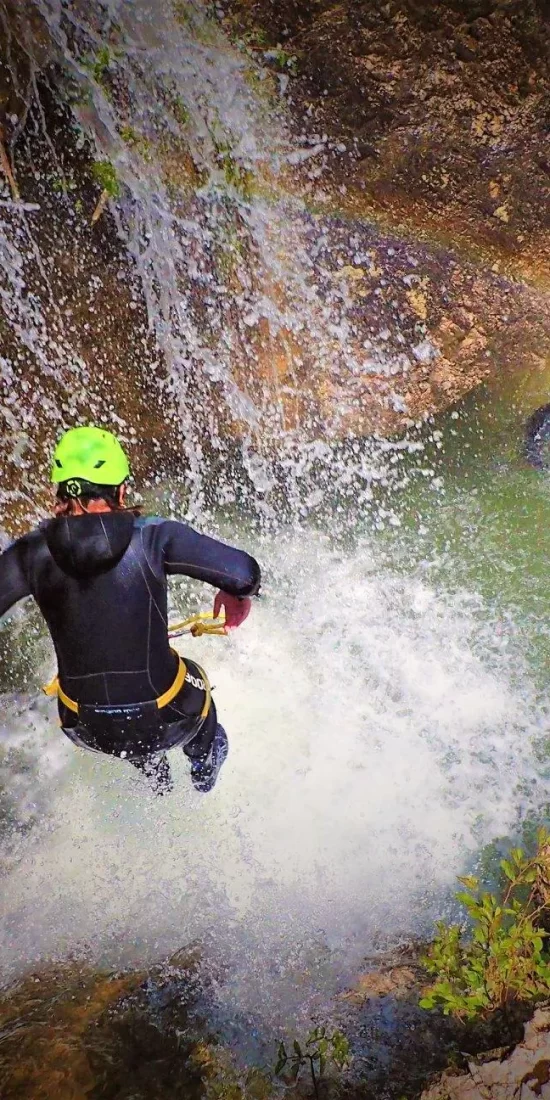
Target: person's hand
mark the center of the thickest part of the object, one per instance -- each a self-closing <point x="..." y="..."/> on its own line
<point x="236" y="609"/>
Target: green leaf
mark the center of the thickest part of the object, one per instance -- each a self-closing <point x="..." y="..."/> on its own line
<point x="469" y="903"/>
<point x="469" y="881"/>
<point x="297" y="1049"/>
<point x="503" y="957"/>
<point x="340" y="1049"/>
<point x="282" y="1059"/>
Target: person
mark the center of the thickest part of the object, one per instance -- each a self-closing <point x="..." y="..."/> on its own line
<point x="537" y="437"/>
<point x="98" y="572"/>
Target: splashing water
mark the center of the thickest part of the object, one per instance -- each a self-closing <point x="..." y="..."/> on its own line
<point x="239" y="280"/>
<point x="375" y="745"/>
<point x="371" y="751"/>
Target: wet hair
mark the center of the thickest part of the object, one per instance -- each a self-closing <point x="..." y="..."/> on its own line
<point x="74" y="495"/>
<point x="77" y="488"/>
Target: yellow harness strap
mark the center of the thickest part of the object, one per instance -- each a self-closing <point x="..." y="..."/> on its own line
<point x="54" y="688"/>
<point x="176" y="687"/>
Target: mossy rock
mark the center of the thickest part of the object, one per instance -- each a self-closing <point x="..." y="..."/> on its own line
<point x="70" y="1033"/>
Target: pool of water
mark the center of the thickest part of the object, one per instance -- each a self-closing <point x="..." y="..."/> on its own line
<point x="387" y="715"/>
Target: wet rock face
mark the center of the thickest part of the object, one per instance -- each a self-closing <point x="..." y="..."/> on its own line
<point x="72" y="1033"/>
<point x="437" y="112"/>
<point x="74" y="337"/>
<point x="525" y="1071"/>
<point x="428" y="123"/>
<point x="381" y="299"/>
<point x="26" y="48"/>
<point x="422" y="329"/>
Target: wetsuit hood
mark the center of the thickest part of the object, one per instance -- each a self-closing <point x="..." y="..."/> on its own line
<point x="84" y="546"/>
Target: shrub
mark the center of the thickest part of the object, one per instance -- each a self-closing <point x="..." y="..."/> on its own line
<point x="318" y="1050"/>
<point x="502" y="958"/>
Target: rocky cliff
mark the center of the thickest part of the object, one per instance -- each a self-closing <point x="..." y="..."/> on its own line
<point x="321" y="221"/>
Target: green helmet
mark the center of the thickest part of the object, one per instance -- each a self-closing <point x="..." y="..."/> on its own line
<point x="92" y="454"/>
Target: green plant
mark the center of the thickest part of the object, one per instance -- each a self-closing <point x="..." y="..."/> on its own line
<point x="99" y="63"/>
<point x="63" y="184"/>
<point x="236" y="176"/>
<point x="183" y="12"/>
<point x="282" y="58"/>
<point x="136" y="141"/>
<point x="503" y="960"/>
<point x="179" y="110"/>
<point x="129" y="135"/>
<point x="105" y="174"/>
<point x="318" y="1050"/>
<point x="255" y="38"/>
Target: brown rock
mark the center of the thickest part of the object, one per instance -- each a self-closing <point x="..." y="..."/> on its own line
<point x="27" y="48"/>
<point x="436" y="131"/>
<point x="44" y="1022"/>
<point x="464" y="51"/>
<point x="397" y="981"/>
<point x="524" y="1073"/>
<point x="70" y="1033"/>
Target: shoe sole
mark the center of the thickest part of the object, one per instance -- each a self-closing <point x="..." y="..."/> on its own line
<point x="205" y="785"/>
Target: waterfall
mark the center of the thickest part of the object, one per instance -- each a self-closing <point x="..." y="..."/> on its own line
<point x="377" y="740"/>
<point x="244" y="299"/>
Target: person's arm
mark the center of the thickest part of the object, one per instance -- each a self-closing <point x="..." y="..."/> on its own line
<point x="14" y="585"/>
<point x="233" y="571"/>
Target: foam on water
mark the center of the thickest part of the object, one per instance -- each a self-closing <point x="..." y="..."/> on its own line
<point x="372" y="752"/>
<point x="376" y="742"/>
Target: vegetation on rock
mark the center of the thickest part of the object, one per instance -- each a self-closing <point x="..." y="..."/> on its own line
<point x="501" y="958"/>
<point x="321" y="1048"/>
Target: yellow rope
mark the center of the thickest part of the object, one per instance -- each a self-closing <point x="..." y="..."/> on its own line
<point x="196" y="625"/>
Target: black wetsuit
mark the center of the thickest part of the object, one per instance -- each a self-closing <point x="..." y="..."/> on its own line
<point x="100" y="583"/>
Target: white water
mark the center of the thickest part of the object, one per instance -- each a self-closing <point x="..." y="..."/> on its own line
<point x="234" y="284"/>
<point x="371" y="753"/>
<point x="376" y="743"/>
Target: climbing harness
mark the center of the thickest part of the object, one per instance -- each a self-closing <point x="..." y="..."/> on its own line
<point x="197" y="625"/>
<point x="54" y="688"/>
<point x="119" y="728"/>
